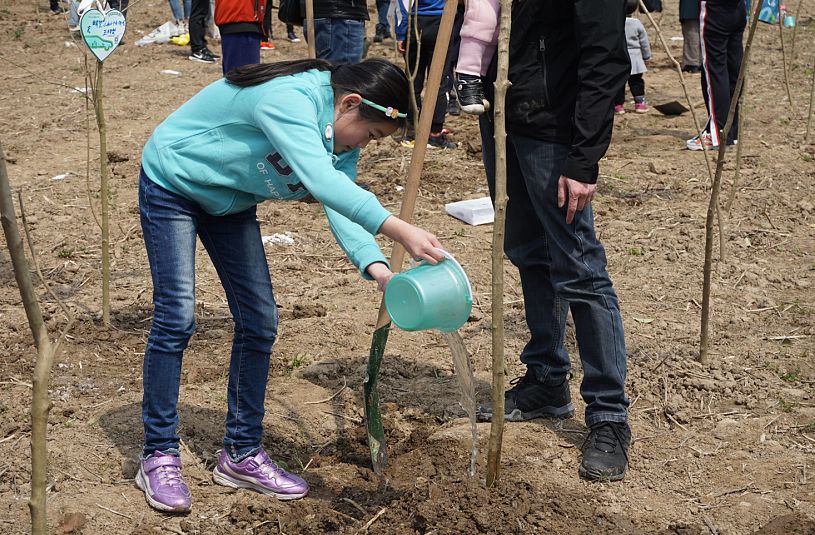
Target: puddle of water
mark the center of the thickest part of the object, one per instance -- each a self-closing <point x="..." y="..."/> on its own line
<point x="463" y="368"/>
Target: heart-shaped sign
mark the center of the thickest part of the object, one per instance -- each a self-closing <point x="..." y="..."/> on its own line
<point x="102" y="32"/>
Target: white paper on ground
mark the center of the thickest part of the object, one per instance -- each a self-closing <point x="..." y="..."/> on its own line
<point x="472" y="211"/>
<point x="278" y="239"/>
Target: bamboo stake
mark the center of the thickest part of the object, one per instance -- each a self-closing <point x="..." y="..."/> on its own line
<point x="498" y="360"/>
<point x="309" y="29"/>
<point x="373" y="418"/>
<point x="811" y="94"/>
<point x="45" y="355"/>
<point x="98" y="104"/>
<point x="714" y="194"/>
<point x="722" y="250"/>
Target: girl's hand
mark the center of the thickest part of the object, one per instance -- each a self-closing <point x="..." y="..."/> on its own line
<point x="420" y="244"/>
<point x="381" y="274"/>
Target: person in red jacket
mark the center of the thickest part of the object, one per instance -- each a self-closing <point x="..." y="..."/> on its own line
<point x="243" y="25"/>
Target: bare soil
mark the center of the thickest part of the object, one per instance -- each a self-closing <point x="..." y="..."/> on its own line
<point x="723" y="447"/>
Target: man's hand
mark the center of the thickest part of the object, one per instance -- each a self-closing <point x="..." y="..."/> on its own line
<point x="400" y="46"/>
<point x="579" y="195"/>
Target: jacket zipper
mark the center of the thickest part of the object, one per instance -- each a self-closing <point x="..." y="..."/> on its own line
<point x="542" y="61"/>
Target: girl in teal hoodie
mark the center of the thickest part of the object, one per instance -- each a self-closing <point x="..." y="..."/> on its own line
<point x="266" y="132"/>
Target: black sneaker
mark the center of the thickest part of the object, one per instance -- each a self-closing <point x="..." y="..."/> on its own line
<point x="381" y="33"/>
<point x="292" y="37"/>
<point x="470" y="93"/>
<point x="528" y="399"/>
<point x="452" y="104"/>
<point x="440" y="141"/>
<point x="203" y="56"/>
<point x="605" y="452"/>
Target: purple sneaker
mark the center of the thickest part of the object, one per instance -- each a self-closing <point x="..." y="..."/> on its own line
<point x="259" y="473"/>
<point x="163" y="485"/>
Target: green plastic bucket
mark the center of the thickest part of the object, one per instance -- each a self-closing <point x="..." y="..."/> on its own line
<point x="430" y="296"/>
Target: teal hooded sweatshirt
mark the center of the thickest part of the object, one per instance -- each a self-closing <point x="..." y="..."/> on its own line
<point x="229" y="148"/>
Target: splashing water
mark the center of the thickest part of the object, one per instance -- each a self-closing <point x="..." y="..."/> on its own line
<point x="463" y="367"/>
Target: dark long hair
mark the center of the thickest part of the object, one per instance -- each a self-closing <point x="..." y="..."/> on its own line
<point x="375" y="79"/>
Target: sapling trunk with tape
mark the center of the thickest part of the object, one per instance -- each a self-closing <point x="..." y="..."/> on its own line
<point x="45" y="355"/>
<point x="713" y="205"/>
<point x="498" y="363"/>
<point x="811" y="95"/>
<point x="373" y="418"/>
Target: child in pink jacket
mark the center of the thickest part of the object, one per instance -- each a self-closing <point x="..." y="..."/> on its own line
<point x="479" y="38"/>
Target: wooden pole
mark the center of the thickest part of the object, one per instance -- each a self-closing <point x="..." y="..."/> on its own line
<point x="714" y="194"/>
<point x="376" y="434"/>
<point x="309" y="29"/>
<point x="98" y="104"/>
<point x="784" y="63"/>
<point x="45" y="355"/>
<point x="498" y="360"/>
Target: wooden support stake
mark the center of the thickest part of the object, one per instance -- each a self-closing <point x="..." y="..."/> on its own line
<point x="373" y="418"/>
<point x="309" y="29"/>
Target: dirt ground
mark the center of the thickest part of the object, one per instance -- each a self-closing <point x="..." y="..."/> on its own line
<point x="721" y="448"/>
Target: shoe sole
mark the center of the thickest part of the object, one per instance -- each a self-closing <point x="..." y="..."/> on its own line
<point x="641" y="111"/>
<point x="199" y="60"/>
<point x="517" y="415"/>
<point x="142" y="485"/>
<point x="228" y="481"/>
<point x="474" y="109"/>
<point x="594" y="476"/>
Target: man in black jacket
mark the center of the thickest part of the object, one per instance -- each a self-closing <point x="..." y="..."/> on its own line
<point x="339" y="29"/>
<point x="567" y="59"/>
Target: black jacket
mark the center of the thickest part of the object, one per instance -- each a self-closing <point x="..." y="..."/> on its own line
<point x="340" y="9"/>
<point x="567" y="61"/>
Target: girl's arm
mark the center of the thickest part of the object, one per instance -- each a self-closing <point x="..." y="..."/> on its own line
<point x="645" y="45"/>
<point x="420" y="244"/>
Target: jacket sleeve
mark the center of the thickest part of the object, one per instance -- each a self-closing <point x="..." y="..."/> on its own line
<point x="645" y="45"/>
<point x="603" y="66"/>
<point x="402" y="19"/>
<point x="358" y="244"/>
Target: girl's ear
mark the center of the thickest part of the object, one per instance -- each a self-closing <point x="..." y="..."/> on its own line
<point x="350" y="101"/>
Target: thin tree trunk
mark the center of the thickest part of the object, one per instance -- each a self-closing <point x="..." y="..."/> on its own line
<point x="795" y="30"/>
<point x="811" y="95"/>
<point x="742" y="125"/>
<point x="714" y="194"/>
<point x="45" y="355"/>
<point x="309" y="29"/>
<point x="498" y="361"/>
<point x="98" y="103"/>
<point x="784" y="63"/>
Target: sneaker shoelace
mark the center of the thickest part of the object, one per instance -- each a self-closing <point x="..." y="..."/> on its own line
<point x="170" y="476"/>
<point x="607" y="434"/>
<point x="269" y="469"/>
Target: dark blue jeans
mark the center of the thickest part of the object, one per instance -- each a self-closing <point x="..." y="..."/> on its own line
<point x="382" y="7"/>
<point x="170" y="225"/>
<point x="339" y="40"/>
<point x="239" y="49"/>
<point x="562" y="266"/>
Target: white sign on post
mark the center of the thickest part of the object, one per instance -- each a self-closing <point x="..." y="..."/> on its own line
<point x="102" y="31"/>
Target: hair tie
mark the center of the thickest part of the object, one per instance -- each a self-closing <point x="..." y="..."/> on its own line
<point x="390" y="111"/>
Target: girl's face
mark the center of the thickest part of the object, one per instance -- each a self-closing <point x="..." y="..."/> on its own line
<point x="351" y="130"/>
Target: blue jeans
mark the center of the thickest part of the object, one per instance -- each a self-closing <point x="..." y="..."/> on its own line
<point x="170" y="224"/>
<point x="562" y="266"/>
<point x="239" y="49"/>
<point x="339" y="40"/>
<point x="178" y="13"/>
<point x="382" y="7"/>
